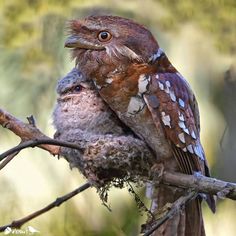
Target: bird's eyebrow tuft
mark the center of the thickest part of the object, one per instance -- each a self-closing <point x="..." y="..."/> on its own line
<point x="77" y="26"/>
<point x="70" y="88"/>
<point x="85" y="28"/>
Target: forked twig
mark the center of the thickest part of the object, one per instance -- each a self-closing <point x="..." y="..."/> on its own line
<point x="26" y="131"/>
<point x="7" y="160"/>
<point x="37" y="142"/>
<point x="175" y="208"/>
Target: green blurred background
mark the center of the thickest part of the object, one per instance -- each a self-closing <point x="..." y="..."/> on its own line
<point x="200" y="39"/>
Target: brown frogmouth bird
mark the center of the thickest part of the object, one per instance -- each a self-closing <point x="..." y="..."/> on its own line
<point x="135" y="78"/>
<point x="81" y="116"/>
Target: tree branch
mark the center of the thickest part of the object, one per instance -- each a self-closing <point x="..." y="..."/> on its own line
<point x="199" y="183"/>
<point x="26" y="131"/>
<point x="106" y="158"/>
<point x="44" y="142"/>
<point x="173" y="209"/>
<point x="7" y="160"/>
<point x="56" y="203"/>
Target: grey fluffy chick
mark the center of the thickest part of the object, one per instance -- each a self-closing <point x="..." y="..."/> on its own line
<point x="108" y="150"/>
<point x="79" y="107"/>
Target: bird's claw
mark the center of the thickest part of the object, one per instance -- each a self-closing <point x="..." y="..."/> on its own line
<point x="157" y="171"/>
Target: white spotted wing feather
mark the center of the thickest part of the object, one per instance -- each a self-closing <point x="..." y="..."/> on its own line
<point x="179" y="115"/>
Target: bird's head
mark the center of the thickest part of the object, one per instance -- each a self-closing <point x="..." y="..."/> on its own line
<point x="107" y="40"/>
<point x="72" y="85"/>
<point x="78" y="105"/>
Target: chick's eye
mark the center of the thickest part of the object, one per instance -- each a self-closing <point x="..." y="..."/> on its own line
<point x="104" y="36"/>
<point x="78" y="88"/>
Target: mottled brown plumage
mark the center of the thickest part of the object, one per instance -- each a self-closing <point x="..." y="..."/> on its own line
<point x="135" y="78"/>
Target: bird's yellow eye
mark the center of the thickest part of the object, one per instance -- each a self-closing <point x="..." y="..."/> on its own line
<point x="104" y="36"/>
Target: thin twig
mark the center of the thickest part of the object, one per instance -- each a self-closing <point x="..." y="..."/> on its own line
<point x="56" y="203"/>
<point x="7" y="160"/>
<point x="175" y="208"/>
<point x="31" y="120"/>
<point x="223" y="137"/>
<point x="37" y="142"/>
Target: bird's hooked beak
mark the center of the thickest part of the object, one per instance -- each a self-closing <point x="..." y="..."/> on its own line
<point x="76" y="41"/>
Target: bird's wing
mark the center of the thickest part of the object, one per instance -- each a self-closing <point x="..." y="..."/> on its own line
<point x="178" y="111"/>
